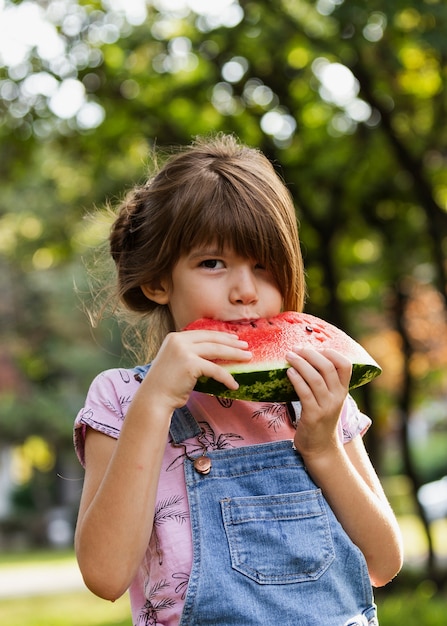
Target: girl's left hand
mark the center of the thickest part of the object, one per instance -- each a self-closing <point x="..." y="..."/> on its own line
<point x="321" y="380"/>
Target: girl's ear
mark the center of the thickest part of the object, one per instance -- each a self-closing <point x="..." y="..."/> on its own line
<point x="159" y="294"/>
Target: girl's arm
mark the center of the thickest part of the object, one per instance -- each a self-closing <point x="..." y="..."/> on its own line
<point x="350" y="485"/>
<point x="121" y="477"/>
<point x="343" y="472"/>
<point x="117" y="503"/>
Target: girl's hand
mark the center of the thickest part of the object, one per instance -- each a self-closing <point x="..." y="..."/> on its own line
<point x="187" y="355"/>
<point x="321" y="380"/>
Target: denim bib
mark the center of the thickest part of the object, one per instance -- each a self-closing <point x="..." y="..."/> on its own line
<point x="267" y="548"/>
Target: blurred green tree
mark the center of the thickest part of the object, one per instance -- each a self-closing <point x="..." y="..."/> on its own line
<point x="348" y="99"/>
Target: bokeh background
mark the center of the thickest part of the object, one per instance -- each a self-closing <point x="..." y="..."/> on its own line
<point x="348" y="99"/>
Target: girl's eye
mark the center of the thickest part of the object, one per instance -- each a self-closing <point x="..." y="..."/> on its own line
<point x="212" y="264"/>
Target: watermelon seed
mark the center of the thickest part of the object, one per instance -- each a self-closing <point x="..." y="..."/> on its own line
<point x="309" y="329"/>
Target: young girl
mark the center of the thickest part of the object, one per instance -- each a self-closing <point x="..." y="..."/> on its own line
<point x="212" y="511"/>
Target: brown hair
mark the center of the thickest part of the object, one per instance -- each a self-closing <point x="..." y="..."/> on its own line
<point x="214" y="191"/>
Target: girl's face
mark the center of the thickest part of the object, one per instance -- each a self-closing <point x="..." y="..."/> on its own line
<point x="219" y="285"/>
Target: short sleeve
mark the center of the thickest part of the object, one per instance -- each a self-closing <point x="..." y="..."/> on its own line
<point x="352" y="421"/>
<point x="106" y="405"/>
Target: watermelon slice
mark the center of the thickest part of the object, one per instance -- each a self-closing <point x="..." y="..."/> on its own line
<point x="264" y="378"/>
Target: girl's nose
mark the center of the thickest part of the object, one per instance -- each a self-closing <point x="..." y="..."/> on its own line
<point x="243" y="289"/>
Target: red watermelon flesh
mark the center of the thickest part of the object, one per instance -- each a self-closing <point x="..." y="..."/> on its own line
<point x="264" y="377"/>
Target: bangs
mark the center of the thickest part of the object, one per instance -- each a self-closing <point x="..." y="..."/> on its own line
<point x="241" y="221"/>
<point x="237" y="229"/>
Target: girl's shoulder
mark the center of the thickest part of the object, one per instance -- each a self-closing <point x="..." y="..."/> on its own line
<point x="113" y="387"/>
<point x="118" y="376"/>
<point x="106" y="404"/>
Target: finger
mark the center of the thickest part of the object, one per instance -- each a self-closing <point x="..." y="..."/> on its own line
<point x="315" y="380"/>
<point x="334" y="368"/>
<point x="333" y="365"/>
<point x="302" y="388"/>
<point x="221" y="375"/>
<point x="214" y="336"/>
<point x="342" y="364"/>
<point x="220" y="352"/>
<point x="312" y="368"/>
<point x="211" y="345"/>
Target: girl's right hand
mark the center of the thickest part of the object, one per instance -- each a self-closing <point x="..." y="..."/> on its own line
<point x="187" y="355"/>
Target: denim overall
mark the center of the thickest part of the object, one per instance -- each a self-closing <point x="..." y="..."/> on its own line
<point x="267" y="548"/>
<point x="263" y="554"/>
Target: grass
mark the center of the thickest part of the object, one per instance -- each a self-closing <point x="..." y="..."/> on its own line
<point x="65" y="609"/>
<point x="80" y="608"/>
<point x="420" y="606"/>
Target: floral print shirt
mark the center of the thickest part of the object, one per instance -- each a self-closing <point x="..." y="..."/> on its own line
<point x="158" y="591"/>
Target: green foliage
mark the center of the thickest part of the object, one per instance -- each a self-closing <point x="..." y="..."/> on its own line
<point x="347" y="98"/>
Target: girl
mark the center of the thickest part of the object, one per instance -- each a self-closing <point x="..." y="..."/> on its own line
<point x="290" y="524"/>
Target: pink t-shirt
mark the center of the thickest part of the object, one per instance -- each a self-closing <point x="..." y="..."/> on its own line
<point x="157" y="594"/>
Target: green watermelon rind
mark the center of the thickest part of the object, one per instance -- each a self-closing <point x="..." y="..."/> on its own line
<point x="273" y="385"/>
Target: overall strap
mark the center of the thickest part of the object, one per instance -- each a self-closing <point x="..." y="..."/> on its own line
<point x="183" y="424"/>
